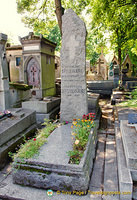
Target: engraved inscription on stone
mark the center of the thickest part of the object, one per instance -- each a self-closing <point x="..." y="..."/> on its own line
<point x="31" y="48"/>
<point x="73" y="63"/>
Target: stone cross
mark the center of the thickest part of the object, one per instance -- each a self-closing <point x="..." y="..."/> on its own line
<point x="73" y="67"/>
<point x="33" y="70"/>
<point x="4" y="76"/>
<point x="99" y="66"/>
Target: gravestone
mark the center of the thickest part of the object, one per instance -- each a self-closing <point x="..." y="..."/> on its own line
<point x="39" y="66"/>
<point x="101" y="67"/>
<point x="73" y="67"/>
<point x="132" y="118"/>
<point x="4" y="79"/>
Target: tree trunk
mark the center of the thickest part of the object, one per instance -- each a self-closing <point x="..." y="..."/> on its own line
<point x="119" y="52"/>
<point x="59" y="13"/>
<point x="119" y="57"/>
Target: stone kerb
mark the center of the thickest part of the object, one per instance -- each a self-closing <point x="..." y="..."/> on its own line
<point x="73" y="67"/>
<point x="52" y="170"/>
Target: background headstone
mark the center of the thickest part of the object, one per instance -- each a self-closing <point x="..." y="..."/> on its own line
<point x="73" y="67"/>
<point x="4" y="75"/>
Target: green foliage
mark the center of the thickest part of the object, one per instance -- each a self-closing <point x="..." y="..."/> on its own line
<point x="31" y="147"/>
<point x="106" y="21"/>
<point x="134" y="93"/>
<point x="55" y="36"/>
<point x="119" y="19"/>
<point x="20" y="86"/>
<point x="132" y="102"/>
<point x="40" y="16"/>
<point x="80" y="133"/>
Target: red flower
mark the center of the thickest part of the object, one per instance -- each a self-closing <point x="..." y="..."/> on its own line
<point x="84" y="117"/>
<point x="34" y="139"/>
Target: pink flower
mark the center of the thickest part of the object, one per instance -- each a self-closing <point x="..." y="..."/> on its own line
<point x="66" y="122"/>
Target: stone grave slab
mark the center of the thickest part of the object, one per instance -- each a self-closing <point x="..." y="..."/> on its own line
<point x="129" y="137"/>
<point x="73" y="67"/>
<point x="12" y="131"/>
<point x="4" y="79"/>
<point x="47" y="108"/>
<point x="132" y="118"/>
<point x="124" y="174"/>
<point x="41" y="106"/>
<point x="100" y="87"/>
<point x="93" y="103"/>
<point x="50" y="168"/>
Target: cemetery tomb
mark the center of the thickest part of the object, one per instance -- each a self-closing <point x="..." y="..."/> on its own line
<point x="127" y="66"/>
<point x="51" y="167"/>
<point x="73" y="68"/>
<point x="111" y="72"/>
<point x="102" y="71"/>
<point x="15" y="63"/>
<point x="39" y="65"/>
<point x="100" y="87"/>
<point x="47" y="108"/>
<point x="4" y="79"/>
<point x="14" y="126"/>
<point x="126" y="137"/>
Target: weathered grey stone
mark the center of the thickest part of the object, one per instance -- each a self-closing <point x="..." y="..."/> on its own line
<point x="124" y="175"/>
<point x="97" y="174"/>
<point x="4" y="79"/>
<point x="13" y="130"/>
<point x="41" y="106"/>
<point x="50" y="169"/>
<point x="135" y="192"/>
<point x="12" y="144"/>
<point x="73" y="61"/>
<point x="51" y="115"/>
<point x="110" y="172"/>
<point x="18" y="192"/>
<point x="3" y="37"/>
<point x="93" y="102"/>
<point x="100" y="87"/>
<point x="9" y="128"/>
<point x="129" y="137"/>
<point x="134" y="175"/>
<point x="123" y="112"/>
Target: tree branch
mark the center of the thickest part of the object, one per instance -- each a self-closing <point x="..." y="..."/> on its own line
<point x="42" y="7"/>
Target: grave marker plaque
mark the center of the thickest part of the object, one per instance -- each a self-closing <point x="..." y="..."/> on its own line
<point x="73" y="67"/>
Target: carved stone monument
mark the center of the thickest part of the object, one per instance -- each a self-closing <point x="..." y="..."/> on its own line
<point x="4" y="78"/>
<point x="38" y="64"/>
<point x="73" y="67"/>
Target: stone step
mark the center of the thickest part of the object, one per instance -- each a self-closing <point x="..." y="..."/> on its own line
<point x="125" y="179"/>
<point x="110" y="170"/>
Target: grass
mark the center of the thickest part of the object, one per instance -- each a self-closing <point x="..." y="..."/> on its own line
<point x="132" y="102"/>
<point x="32" y="146"/>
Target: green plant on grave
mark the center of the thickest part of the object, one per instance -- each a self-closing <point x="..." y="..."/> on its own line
<point x="80" y="133"/>
<point x="132" y="102"/>
<point x="134" y="93"/>
<point x="20" y="86"/>
<point x="32" y="146"/>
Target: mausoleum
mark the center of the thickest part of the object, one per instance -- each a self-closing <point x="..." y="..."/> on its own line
<point x="33" y="63"/>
